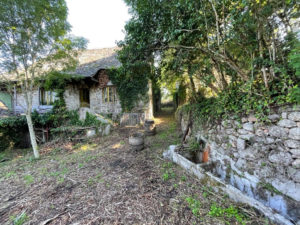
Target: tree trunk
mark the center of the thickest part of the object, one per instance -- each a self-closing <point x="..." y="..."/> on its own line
<point x="192" y="83"/>
<point x="32" y="136"/>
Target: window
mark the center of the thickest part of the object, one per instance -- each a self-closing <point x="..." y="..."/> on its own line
<point x="46" y="97"/>
<point x="84" y="97"/>
<point x="109" y="94"/>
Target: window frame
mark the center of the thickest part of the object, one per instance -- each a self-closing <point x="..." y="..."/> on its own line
<point x="46" y="97"/>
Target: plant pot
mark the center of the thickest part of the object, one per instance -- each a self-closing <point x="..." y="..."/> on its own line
<point x="136" y="139"/>
<point x="205" y="157"/>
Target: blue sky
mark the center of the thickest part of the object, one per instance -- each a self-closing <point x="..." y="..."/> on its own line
<point x="100" y="21"/>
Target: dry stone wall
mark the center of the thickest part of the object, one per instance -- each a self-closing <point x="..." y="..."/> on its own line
<point x="262" y="160"/>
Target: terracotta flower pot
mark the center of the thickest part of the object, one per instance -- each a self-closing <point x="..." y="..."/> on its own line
<point x="205" y="155"/>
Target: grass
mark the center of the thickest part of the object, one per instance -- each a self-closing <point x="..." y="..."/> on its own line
<point x="29" y="179"/>
<point x="230" y="212"/>
<point x="20" y="219"/>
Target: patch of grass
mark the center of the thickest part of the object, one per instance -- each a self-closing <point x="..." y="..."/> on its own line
<point x="194" y="205"/>
<point x="227" y="213"/>
<point x="97" y="179"/>
<point x="183" y="178"/>
<point x="10" y="174"/>
<point x="29" y="179"/>
<point x="20" y="219"/>
<point x="122" y="142"/>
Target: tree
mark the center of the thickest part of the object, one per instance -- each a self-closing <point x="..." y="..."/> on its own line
<point x="34" y="43"/>
<point x="219" y="42"/>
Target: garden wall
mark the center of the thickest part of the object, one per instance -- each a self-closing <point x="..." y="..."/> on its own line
<point x="262" y="160"/>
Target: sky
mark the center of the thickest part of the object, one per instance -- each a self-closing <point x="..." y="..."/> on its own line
<point x="100" y="21"/>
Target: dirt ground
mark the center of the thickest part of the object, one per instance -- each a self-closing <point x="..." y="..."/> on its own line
<point x="103" y="181"/>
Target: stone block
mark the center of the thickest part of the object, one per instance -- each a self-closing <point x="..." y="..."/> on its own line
<point x="269" y="140"/>
<point x="281" y="158"/>
<point x="287" y="123"/>
<point x="90" y="133"/>
<point x="296" y="176"/>
<point x="296" y="164"/>
<point x="248" y="154"/>
<point x="295" y="152"/>
<point x="242" y="131"/>
<point x="259" y="132"/>
<point x="240" y="144"/>
<point x="284" y="115"/>
<point x="248" y="126"/>
<point x="278" y="132"/>
<point x="248" y="137"/>
<point x="292" y="144"/>
<point x="295" y="116"/>
<point x="274" y="117"/>
<point x="288" y="188"/>
<point x="294" y="133"/>
<point x="252" y="118"/>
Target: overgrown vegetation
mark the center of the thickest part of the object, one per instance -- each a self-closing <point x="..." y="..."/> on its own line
<point x="13" y="129"/>
<point x="226" y="57"/>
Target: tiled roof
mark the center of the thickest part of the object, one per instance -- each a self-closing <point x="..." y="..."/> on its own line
<point x="90" y="61"/>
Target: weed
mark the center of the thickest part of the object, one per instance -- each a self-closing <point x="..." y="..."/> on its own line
<point x="20" y="219"/>
<point x="230" y="212"/>
<point x="122" y="142"/>
<point x="80" y="165"/>
<point x="175" y="185"/>
<point x="166" y="176"/>
<point x="10" y="174"/>
<point x="194" y="205"/>
<point x="183" y="178"/>
<point x="60" y="180"/>
<point x="91" y="181"/>
<point x="29" y="179"/>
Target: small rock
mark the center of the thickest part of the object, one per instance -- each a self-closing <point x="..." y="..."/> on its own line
<point x="252" y="118"/>
<point x="283" y="158"/>
<point x="269" y="140"/>
<point x="244" y="120"/>
<point x="292" y="143"/>
<point x="242" y="131"/>
<point x="107" y="130"/>
<point x="248" y="154"/>
<point x="258" y="139"/>
<point x="295" y="133"/>
<point x="295" y="152"/>
<point x="240" y="163"/>
<point x="287" y="123"/>
<point x="296" y="176"/>
<point x="296" y="164"/>
<point x="284" y="115"/>
<point x="274" y="117"/>
<point x="294" y="116"/>
<point x="240" y="144"/>
<point x="90" y="133"/>
<point x="259" y="132"/>
<point x="248" y="137"/>
<point x="298" y="124"/>
<point x="248" y="127"/>
<point x="278" y="132"/>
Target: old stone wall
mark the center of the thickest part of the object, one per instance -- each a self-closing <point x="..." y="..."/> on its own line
<point x="99" y="106"/>
<point x="262" y="160"/>
<point x="71" y="96"/>
<point x="20" y="103"/>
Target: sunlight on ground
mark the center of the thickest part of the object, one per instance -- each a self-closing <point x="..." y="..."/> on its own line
<point x="158" y="121"/>
<point x="85" y="147"/>
<point x="116" y="146"/>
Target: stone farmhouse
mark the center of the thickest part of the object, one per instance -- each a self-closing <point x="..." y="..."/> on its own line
<point x="94" y="92"/>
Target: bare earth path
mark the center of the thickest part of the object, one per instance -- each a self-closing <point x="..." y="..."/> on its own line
<point x="104" y="182"/>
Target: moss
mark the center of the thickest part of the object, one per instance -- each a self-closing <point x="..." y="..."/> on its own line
<point x="270" y="188"/>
